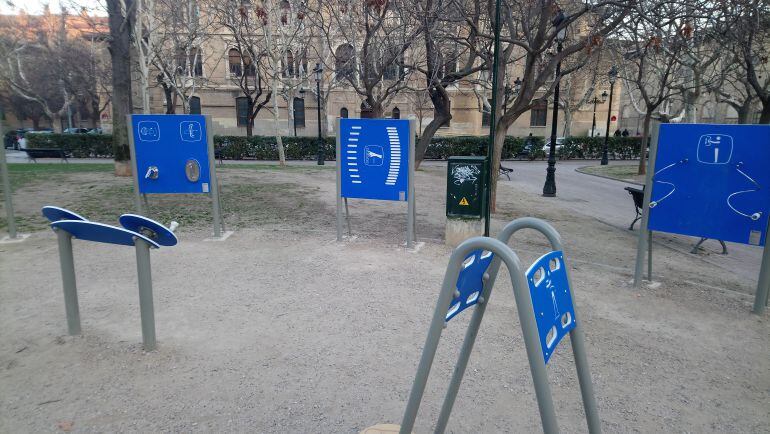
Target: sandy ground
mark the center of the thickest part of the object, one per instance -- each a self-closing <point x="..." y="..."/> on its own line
<point x="281" y="329"/>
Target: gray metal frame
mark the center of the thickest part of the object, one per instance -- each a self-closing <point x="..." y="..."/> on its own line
<point x="411" y="212"/>
<point x="144" y="278"/>
<point x="141" y="199"/>
<point x="645" y="242"/>
<point x="505" y="254"/>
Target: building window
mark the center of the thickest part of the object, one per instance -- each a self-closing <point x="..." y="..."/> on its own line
<point x="195" y="105"/>
<point x="538" y="114"/>
<point x="396" y="113"/>
<point x="449" y="109"/>
<point x="344" y="112"/>
<point x="234" y="59"/>
<point x="189" y="64"/>
<point x="486" y="114"/>
<point x="242" y="110"/>
<point x="756" y="116"/>
<point x="299" y="113"/>
<point x="344" y="62"/>
<point x="288" y="70"/>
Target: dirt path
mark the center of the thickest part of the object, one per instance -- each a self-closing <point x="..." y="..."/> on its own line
<point x="281" y="329"/>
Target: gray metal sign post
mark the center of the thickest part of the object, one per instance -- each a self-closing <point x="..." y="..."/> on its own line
<point x="763" y="285"/>
<point x="7" y="191"/>
<point x="530" y="333"/>
<point x="146" y="306"/>
<point x="67" y="263"/>
<point x="219" y="225"/>
<point x="644" y="242"/>
<point x="342" y="202"/>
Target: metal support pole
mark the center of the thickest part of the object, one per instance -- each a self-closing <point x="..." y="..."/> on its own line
<point x="549" y="189"/>
<point x="492" y="120"/>
<point x="214" y="182"/>
<point x="607" y="131"/>
<point x="321" y="150"/>
<point x="7" y="191"/>
<point x="144" y="274"/>
<point x="134" y="165"/>
<point x="467" y="348"/>
<point x="339" y="164"/>
<point x="641" y="246"/>
<point x="763" y="285"/>
<point x="410" y="191"/>
<point x="649" y="256"/>
<point x="347" y="217"/>
<point x="67" y="263"/>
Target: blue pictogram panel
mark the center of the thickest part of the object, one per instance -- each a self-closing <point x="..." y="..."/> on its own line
<point x="712" y="181"/>
<point x="470" y="282"/>
<point x="171" y="153"/>
<point x="54" y="214"/>
<point x="551" y="300"/>
<point x="374" y="158"/>
<point x="100" y="233"/>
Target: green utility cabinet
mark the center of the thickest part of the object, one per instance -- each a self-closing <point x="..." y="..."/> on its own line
<point x="465" y="187"/>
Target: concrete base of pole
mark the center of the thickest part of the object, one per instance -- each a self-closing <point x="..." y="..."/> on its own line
<point x="459" y="230"/>
<point x="382" y="428"/>
<point x="225" y="235"/>
<point x="19" y="238"/>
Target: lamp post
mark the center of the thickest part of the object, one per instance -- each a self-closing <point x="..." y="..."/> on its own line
<point x="612" y="75"/>
<point x="549" y="189"/>
<point x="593" y="122"/>
<point x="318" y="72"/>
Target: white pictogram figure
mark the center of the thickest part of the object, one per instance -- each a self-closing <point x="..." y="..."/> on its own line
<point x="373" y="155"/>
<point x="190" y="131"/>
<point x="549" y="285"/>
<point x="149" y="131"/>
<point x="712" y="149"/>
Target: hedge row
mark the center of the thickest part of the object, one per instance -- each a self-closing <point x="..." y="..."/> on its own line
<point x="305" y="148"/>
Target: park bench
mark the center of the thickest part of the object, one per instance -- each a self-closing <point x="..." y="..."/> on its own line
<point x="505" y="171"/>
<point x="638" y="195"/>
<point x="34" y="153"/>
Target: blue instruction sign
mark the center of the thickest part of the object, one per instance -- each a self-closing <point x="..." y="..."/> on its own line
<point x="172" y="153"/>
<point x="712" y="181"/>
<point x="374" y="158"/>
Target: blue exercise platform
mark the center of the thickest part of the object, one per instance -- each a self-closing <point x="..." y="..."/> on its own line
<point x="140" y="232"/>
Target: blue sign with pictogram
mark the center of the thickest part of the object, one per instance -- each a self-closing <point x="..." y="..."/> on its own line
<point x="172" y="153"/>
<point x="712" y="181"/>
<point x="374" y="158"/>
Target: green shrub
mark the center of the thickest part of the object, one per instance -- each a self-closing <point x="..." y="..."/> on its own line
<point x="305" y="148"/>
<point x="77" y="145"/>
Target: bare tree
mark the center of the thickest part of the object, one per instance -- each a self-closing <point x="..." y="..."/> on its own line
<point x="368" y="43"/>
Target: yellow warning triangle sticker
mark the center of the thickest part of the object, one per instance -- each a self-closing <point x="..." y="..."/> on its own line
<point x="464" y="202"/>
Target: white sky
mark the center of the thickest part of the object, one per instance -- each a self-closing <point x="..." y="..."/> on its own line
<point x="35" y="7"/>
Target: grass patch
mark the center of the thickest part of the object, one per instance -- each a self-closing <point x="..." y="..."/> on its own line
<point x="27" y="173"/>
<point x="620" y="172"/>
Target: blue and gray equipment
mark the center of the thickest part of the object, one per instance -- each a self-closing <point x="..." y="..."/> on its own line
<point x="546" y="312"/>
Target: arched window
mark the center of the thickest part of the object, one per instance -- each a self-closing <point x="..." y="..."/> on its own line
<point x="195" y="105"/>
<point x="288" y="70"/>
<point x="344" y="112"/>
<point x="396" y="113"/>
<point x="234" y="59"/>
<point x="344" y="62"/>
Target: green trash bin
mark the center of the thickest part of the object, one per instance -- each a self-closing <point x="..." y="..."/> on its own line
<point x="465" y="187"/>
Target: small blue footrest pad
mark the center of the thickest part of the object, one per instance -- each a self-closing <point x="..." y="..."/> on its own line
<point x="551" y="300"/>
<point x="470" y="282"/>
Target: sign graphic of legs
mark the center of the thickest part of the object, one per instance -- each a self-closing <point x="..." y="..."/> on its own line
<point x="190" y="131"/>
<point x="720" y="192"/>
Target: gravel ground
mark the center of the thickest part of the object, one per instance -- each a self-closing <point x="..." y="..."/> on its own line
<point x="281" y="329"/>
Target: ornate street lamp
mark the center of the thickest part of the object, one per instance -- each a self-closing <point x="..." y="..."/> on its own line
<point x="318" y="74"/>
<point x="596" y="100"/>
<point x="549" y="189"/>
<point x="612" y="75"/>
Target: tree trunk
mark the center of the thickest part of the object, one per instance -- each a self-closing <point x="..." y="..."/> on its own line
<point x="567" y="131"/>
<point x="56" y="123"/>
<point x="35" y="123"/>
<point x="744" y="111"/>
<point x="119" y="47"/>
<point x="643" y="144"/>
<point x="276" y="126"/>
<point x="500" y="131"/>
<point x="764" y="118"/>
<point x="442" y="116"/>
<point x="170" y="97"/>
